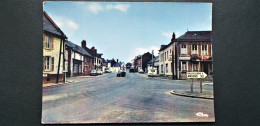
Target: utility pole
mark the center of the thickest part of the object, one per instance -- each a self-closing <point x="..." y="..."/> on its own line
<point x="152" y="58"/>
<point x="61" y="42"/>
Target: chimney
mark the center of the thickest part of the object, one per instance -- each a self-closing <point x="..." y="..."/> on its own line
<point x="116" y="60"/>
<point x="173" y="36"/>
<point x="83" y="44"/>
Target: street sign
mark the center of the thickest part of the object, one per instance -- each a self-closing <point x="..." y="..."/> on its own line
<point x="196" y="75"/>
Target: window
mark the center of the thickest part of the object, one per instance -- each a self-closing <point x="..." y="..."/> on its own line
<point x="47" y="63"/>
<point x="183" y="50"/>
<point x="47" y="41"/>
<point x="167" y="54"/>
<point x="204" y="50"/>
<point x="194" y="50"/>
<point x="166" y="68"/>
<point x="195" y="67"/>
<point x="184" y="66"/>
<point x="170" y="51"/>
<point x="161" y="68"/>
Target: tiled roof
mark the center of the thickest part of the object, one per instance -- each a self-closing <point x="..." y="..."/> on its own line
<point x="77" y="48"/>
<point x="49" y="25"/>
<point x="196" y="35"/>
<point x="154" y="59"/>
<point x="191" y="36"/>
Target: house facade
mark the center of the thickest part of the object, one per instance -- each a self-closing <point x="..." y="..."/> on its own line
<point x="140" y="61"/>
<point x="193" y="53"/>
<point x="97" y="57"/>
<point x="53" y="48"/>
<point x="79" y="60"/>
<point x="165" y="60"/>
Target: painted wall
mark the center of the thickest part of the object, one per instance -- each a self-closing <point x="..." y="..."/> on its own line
<point x="53" y="51"/>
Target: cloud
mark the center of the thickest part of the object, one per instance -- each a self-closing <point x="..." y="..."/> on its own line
<point x="120" y="7"/>
<point x="141" y="51"/>
<point x="66" y="25"/>
<point x="95" y="8"/>
<point x="167" y="34"/>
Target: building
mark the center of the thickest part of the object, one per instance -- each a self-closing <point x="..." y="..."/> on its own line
<point x="53" y="48"/>
<point x="165" y="59"/>
<point x="128" y="65"/>
<point x="193" y="53"/>
<point x="80" y="62"/>
<point x="97" y="56"/>
<point x="151" y="64"/>
<point x="142" y="60"/>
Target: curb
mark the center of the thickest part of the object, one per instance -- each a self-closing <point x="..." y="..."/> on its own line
<point x="191" y="96"/>
<point x="60" y="84"/>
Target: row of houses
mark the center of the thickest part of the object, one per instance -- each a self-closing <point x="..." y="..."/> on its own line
<point x="191" y="52"/>
<point x="141" y="61"/>
<point x="63" y="58"/>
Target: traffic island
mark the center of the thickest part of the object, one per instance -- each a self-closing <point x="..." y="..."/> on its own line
<point x="194" y="94"/>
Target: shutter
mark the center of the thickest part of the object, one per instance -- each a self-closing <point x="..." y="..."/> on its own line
<point x="43" y="41"/>
<point x="52" y="63"/>
<point x="52" y="39"/>
<point x="43" y="68"/>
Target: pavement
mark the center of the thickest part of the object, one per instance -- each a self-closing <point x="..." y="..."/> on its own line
<point x="206" y="94"/>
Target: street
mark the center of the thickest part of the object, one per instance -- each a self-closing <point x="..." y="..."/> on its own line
<point x="134" y="98"/>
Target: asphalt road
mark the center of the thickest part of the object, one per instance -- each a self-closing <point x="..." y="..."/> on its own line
<point x="110" y="99"/>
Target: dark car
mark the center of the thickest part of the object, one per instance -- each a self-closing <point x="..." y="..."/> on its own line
<point x="132" y="70"/>
<point x="121" y="73"/>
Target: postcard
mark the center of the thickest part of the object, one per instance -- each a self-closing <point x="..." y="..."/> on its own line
<point x="127" y="62"/>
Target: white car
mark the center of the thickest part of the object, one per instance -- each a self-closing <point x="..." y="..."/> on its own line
<point x="99" y="72"/>
<point x="93" y="72"/>
<point x="107" y="70"/>
<point x="141" y="71"/>
<point x="152" y="72"/>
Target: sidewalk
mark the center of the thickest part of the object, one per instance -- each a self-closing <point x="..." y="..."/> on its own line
<point x="206" y="94"/>
<point x="60" y="83"/>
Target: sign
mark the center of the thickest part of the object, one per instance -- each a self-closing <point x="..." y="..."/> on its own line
<point x="196" y="75"/>
<point x="206" y="56"/>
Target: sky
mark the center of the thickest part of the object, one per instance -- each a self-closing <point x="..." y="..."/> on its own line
<point x="123" y="30"/>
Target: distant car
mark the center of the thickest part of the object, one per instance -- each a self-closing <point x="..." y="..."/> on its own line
<point x="107" y="70"/>
<point x="93" y="73"/>
<point x="141" y="71"/>
<point x="121" y="73"/>
<point x="132" y="70"/>
<point x="99" y="72"/>
<point x="152" y="72"/>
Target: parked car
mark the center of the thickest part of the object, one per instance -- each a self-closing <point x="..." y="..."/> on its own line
<point x="93" y="73"/>
<point x="152" y="72"/>
<point x="121" y="73"/>
<point x="141" y="71"/>
<point x="99" y="72"/>
<point x="107" y="70"/>
<point x="132" y="70"/>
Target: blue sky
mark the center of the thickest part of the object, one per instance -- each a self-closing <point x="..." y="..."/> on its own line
<point x="122" y="30"/>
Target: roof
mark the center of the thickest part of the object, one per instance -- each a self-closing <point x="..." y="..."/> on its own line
<point x="154" y="59"/>
<point x="50" y="26"/>
<point x="99" y="55"/>
<point x="77" y="48"/>
<point x="191" y="36"/>
<point x="196" y="35"/>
